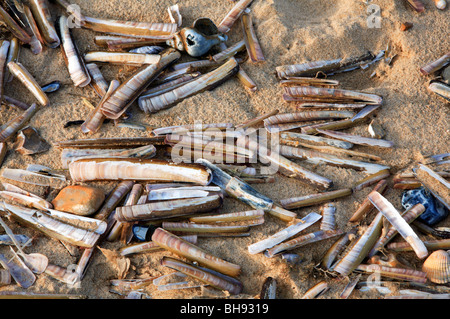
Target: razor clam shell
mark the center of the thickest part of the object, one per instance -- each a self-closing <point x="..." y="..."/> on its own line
<point x="14" y="27"/>
<point x="397" y="273"/>
<point x="192" y="252"/>
<point x="168" y="209"/>
<point x="284" y="234"/>
<point x="339" y="95"/>
<point x="308" y="116"/>
<point x="75" y="63"/>
<point x="409" y="216"/>
<point x="96" y="118"/>
<point x="229" y="52"/>
<point x="318" y="157"/>
<point x="8" y="130"/>
<point x="203" y="82"/>
<point x="181" y="192"/>
<point x="21" y="73"/>
<point x="366" y="206"/>
<point x="252" y="44"/>
<point x="310" y="81"/>
<point x="228" y="217"/>
<point x="150" y="246"/>
<point x="336" y="249"/>
<point x="306" y="69"/>
<point x="403" y="228"/>
<point x="137" y="169"/>
<point x="371" y="179"/>
<point x="25" y="200"/>
<point x="232" y="15"/>
<point x="356" y="254"/>
<point x="4" y="48"/>
<point x="25" y="176"/>
<point x="437" y="267"/>
<point x="13" y="55"/>
<point x="130" y="28"/>
<point x="256" y="120"/>
<point x="212" y="278"/>
<point x="301" y="240"/>
<point x="130" y="89"/>
<point x="314" y="199"/>
<point x="440" y="89"/>
<point x="430" y="244"/>
<point x="111" y="143"/>
<point x="98" y="81"/>
<point x="288" y="167"/>
<point x="193" y="228"/>
<point x="121" y="58"/>
<point x="190" y="127"/>
<point x="114" y="198"/>
<point x="436" y="65"/>
<point x="317" y="139"/>
<point x="360" y="140"/>
<point x="328" y="221"/>
<point x="246" y="80"/>
<point x="435" y="183"/>
<point x="19" y="271"/>
<point x="62" y="274"/>
<point x="69" y="155"/>
<point x="169" y="86"/>
<point x="37" y="42"/>
<point x="44" y="21"/>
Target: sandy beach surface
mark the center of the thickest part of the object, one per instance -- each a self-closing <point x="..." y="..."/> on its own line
<point x="290" y="32"/>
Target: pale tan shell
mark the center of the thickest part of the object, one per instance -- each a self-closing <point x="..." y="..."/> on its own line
<point x="437" y="267"/>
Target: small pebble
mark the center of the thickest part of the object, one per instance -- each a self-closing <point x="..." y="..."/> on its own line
<point x="79" y="200"/>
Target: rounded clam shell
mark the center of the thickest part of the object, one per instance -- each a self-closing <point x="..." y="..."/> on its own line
<point x="437" y="267"/>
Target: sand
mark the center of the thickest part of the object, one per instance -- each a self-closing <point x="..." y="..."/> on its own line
<point x="416" y="120"/>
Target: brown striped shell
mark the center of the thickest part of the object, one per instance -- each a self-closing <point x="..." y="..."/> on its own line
<point x="437" y="267"/>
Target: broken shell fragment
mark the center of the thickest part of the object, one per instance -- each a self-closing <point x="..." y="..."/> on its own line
<point x="198" y="39"/>
<point x="79" y="200"/>
<point x="29" y="142"/>
<point x="437" y="267"/>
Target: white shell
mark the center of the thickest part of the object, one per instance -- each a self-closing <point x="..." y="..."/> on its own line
<point x="437" y="267"/>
